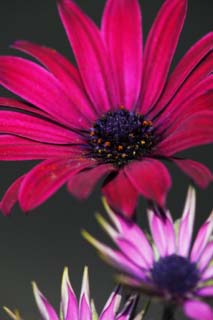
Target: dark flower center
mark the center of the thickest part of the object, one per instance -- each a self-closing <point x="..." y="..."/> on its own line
<point x="175" y="274"/>
<point x="121" y="136"/>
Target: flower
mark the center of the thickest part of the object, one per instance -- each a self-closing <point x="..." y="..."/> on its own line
<point x="116" y="115"/>
<point x="69" y="308"/>
<point x="167" y="266"/>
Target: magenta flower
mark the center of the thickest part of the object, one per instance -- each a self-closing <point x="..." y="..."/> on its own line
<point x="168" y="266"/>
<point x="116" y="115"/>
<point x="85" y="310"/>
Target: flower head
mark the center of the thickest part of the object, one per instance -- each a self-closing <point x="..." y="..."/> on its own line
<point x="116" y="115"/>
<point x="169" y="266"/>
<point x="85" y="310"/>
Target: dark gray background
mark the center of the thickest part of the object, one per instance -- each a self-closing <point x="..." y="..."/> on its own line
<point x="38" y="246"/>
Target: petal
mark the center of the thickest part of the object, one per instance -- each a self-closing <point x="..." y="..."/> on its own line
<point x="33" y="128"/>
<point x="208" y="273"/>
<point x="111" y="307"/>
<point x="160" y="48"/>
<point x="62" y="69"/>
<point x="194" y="131"/>
<point x="120" y="194"/>
<point x="122" y="32"/>
<point x="10" y="197"/>
<point x="15" y="148"/>
<point x="69" y="303"/>
<point x="84" y="308"/>
<point x="46" y="310"/>
<point x="198" y="310"/>
<point x="36" y="85"/>
<point x="45" y="179"/>
<point x="90" y="54"/>
<point x="191" y="62"/>
<point x="202" y="239"/>
<point x="199" y="173"/>
<point x="163" y="233"/>
<point x="186" y="225"/>
<point x="205" y="292"/>
<point x="150" y="178"/>
<point x="82" y="183"/>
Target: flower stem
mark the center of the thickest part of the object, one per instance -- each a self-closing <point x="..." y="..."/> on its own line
<point x="168" y="312"/>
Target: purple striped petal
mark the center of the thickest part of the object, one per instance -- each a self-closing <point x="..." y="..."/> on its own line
<point x="85" y="312"/>
<point x="198" y="310"/>
<point x="69" y="303"/>
<point x="160" y="48"/>
<point x="163" y="233"/>
<point x="197" y="171"/>
<point x="120" y="194"/>
<point x="45" y="179"/>
<point x="150" y="178"/>
<point x="91" y="55"/>
<point x="185" y="229"/>
<point x="193" y="60"/>
<point x="202" y="239"/>
<point x="46" y="310"/>
<point x="111" y="307"/>
<point x="122" y="32"/>
<point x="82" y="183"/>
<point x="39" y="87"/>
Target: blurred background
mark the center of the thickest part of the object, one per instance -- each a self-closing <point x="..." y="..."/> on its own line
<point x="39" y="245"/>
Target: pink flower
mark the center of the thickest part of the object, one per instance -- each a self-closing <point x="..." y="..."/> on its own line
<point x="116" y="115"/>
<point x="169" y="266"/>
<point x="85" y="310"/>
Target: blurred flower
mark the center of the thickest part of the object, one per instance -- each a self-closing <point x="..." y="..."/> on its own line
<point x="85" y="310"/>
<point x="116" y="115"/>
<point x="167" y="266"/>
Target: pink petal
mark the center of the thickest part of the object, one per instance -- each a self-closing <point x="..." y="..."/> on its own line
<point x="111" y="307"/>
<point x="205" y="292"/>
<point x="10" y="197"/>
<point x="31" y="127"/>
<point x="45" y="179"/>
<point x="15" y="148"/>
<point x="82" y="183"/>
<point x="150" y="178"/>
<point x="198" y="310"/>
<point x="46" y="310"/>
<point x="191" y="62"/>
<point x="62" y="69"/>
<point x="199" y="173"/>
<point x="194" y="131"/>
<point x="85" y="312"/>
<point x="69" y="303"/>
<point x="206" y="256"/>
<point x="91" y="55"/>
<point x="202" y="239"/>
<point x="122" y="32"/>
<point x="120" y="194"/>
<point x="208" y="273"/>
<point x="186" y="225"/>
<point x="198" y="83"/>
<point x="159" y="50"/>
<point x="163" y="233"/>
<point x="36" y="85"/>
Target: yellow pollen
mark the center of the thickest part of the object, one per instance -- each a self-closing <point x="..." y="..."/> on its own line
<point x="120" y="148"/>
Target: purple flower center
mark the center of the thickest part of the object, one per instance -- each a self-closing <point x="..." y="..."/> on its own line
<point x="121" y="136"/>
<point x="175" y="274"/>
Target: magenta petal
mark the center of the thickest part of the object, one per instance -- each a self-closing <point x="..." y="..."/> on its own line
<point x="122" y="32"/>
<point x="15" y="148"/>
<point x="159" y="50"/>
<point x="82" y="183"/>
<point x="199" y="173"/>
<point x="69" y="303"/>
<point x="206" y="256"/>
<point x="45" y="179"/>
<point x="198" y="310"/>
<point x="194" y="131"/>
<point x="39" y="87"/>
<point x="186" y="225"/>
<point x="120" y="194"/>
<point x="205" y="292"/>
<point x="150" y="178"/>
<point x="193" y="61"/>
<point x="91" y="55"/>
<point x="85" y="312"/>
<point x="111" y="307"/>
<point x="11" y="196"/>
<point x="208" y="273"/>
<point x="31" y="127"/>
